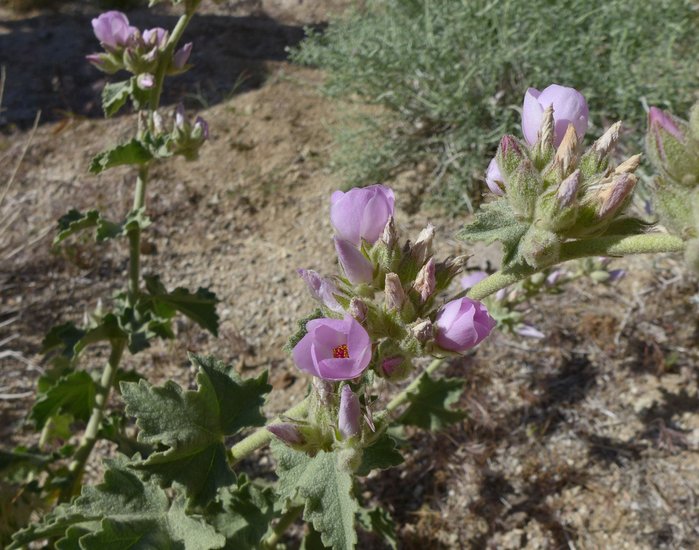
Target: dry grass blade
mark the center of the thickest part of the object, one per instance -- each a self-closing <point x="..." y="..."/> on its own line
<point x="27" y="144"/>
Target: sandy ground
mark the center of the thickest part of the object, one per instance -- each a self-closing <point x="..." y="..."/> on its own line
<point x="586" y="439"/>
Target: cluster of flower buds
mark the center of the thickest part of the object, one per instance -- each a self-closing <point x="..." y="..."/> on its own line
<point x="140" y="53"/>
<point x="673" y="148"/>
<point x="375" y="319"/>
<point x="508" y="306"/>
<point x="550" y="184"/>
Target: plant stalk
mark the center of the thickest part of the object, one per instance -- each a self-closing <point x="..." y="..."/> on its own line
<point x="286" y="521"/>
<point x="77" y="466"/>
<point x="604" y="246"/>
<point x="134" y="235"/>
<point x="175" y="36"/>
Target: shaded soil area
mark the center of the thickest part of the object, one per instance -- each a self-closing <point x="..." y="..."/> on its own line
<point x="588" y="438"/>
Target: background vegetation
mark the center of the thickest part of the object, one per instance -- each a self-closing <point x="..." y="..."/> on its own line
<point x="450" y="75"/>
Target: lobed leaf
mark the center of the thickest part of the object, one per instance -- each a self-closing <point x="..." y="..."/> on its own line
<point x="114" y="96"/>
<point x="430" y="403"/>
<point x="193" y="425"/>
<point x="200" y="307"/>
<point x="325" y="487"/>
<point x="379" y="521"/>
<point x="381" y="454"/>
<point x="73" y="394"/>
<point x="131" y="152"/>
<point x="122" y="512"/>
<point x="496" y="222"/>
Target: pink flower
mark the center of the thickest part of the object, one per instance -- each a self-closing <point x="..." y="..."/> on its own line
<point x="179" y="60"/>
<point x="321" y="289"/>
<point x="156" y="37"/>
<point x="333" y="349"/>
<point x="361" y="213"/>
<point x="493" y="178"/>
<point x="355" y="265"/>
<point x="112" y="29"/>
<point x="569" y="107"/>
<point x="350" y="414"/>
<point x="461" y="324"/>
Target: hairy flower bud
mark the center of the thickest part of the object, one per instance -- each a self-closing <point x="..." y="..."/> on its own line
<point x="349" y="415"/>
<point x="422" y="331"/>
<point x="389" y="236"/>
<point x="321" y="289"/>
<point x="425" y="282"/>
<point x="145" y="81"/>
<point x="569" y="107"/>
<point x="567" y="153"/>
<point x="390" y="365"/>
<point x="155" y="38"/>
<point x="181" y="56"/>
<point x="358" y="309"/>
<point x="669" y="148"/>
<point x="421" y="251"/>
<point x="287" y="433"/>
<point x="355" y="265"/>
<point x="616" y="196"/>
<point x="394" y="295"/>
<point x="493" y="178"/>
<point x="568" y="190"/>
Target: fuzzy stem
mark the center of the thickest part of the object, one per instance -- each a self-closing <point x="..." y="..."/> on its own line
<point x="77" y="466"/>
<point x="166" y="58"/>
<point x="402" y="397"/>
<point x="263" y="436"/>
<point x="604" y="246"/>
<point x="135" y="237"/>
<point x="286" y="521"/>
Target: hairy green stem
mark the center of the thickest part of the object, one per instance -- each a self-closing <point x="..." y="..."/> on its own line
<point x="166" y="58"/>
<point x="263" y="436"/>
<point x="286" y="521"/>
<point x="604" y="246"/>
<point x="77" y="466"/>
<point x="135" y="237"/>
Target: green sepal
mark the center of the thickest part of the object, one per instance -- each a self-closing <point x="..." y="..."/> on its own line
<point x="495" y="221"/>
<point x="430" y="403"/>
<point x="131" y="152"/>
<point x="192" y="425"/>
<point x="325" y="488"/>
<point x="200" y="306"/>
<point x="123" y="511"/>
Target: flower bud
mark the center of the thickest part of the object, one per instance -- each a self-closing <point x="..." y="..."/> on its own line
<point x="670" y="150"/>
<point x="389" y="236"/>
<point x="421" y="251"/>
<point x="155" y="38"/>
<point x="567" y="153"/>
<point x="355" y="265"/>
<point x="529" y="331"/>
<point x="350" y="414"/>
<point x="112" y="29"/>
<point x="394" y="295"/>
<point x="287" y="433"/>
<point x="361" y="213"/>
<point x="629" y="165"/>
<point x="616" y="196"/>
<point x="358" y="309"/>
<point x="461" y="324"/>
<point x="568" y="190"/>
<point x="493" y="178"/>
<point x="390" y="365"/>
<point x="422" y="331"/>
<point x="540" y="247"/>
<point x="201" y="129"/>
<point x="569" y="107"/>
<point x="181" y="56"/>
<point x="107" y="63"/>
<point x="145" y="81"/>
<point x="425" y="282"/>
<point x="321" y="289"/>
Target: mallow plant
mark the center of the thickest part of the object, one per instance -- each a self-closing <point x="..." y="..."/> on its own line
<point x="68" y="394"/>
<point x="384" y="324"/>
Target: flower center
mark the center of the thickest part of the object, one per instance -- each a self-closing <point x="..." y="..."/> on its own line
<point x="341" y="352"/>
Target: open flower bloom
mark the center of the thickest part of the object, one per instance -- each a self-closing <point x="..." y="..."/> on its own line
<point x="361" y="213"/>
<point x="112" y="29"/>
<point x="461" y="324"/>
<point x="569" y="107"/>
<point x="333" y="349"/>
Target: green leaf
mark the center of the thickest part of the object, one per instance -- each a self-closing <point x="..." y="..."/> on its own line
<point x="73" y="394"/>
<point x="312" y="540"/>
<point x="325" y="487"/>
<point x="122" y="512"/>
<point x="495" y="222"/>
<point x="242" y="514"/>
<point x="429" y="403"/>
<point x="111" y="230"/>
<point x="131" y="152"/>
<point x="193" y="425"/>
<point x="63" y="337"/>
<point x="381" y="454"/>
<point x="74" y="222"/>
<point x="200" y="307"/>
<point x="114" y="96"/>
<point x="379" y="521"/>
